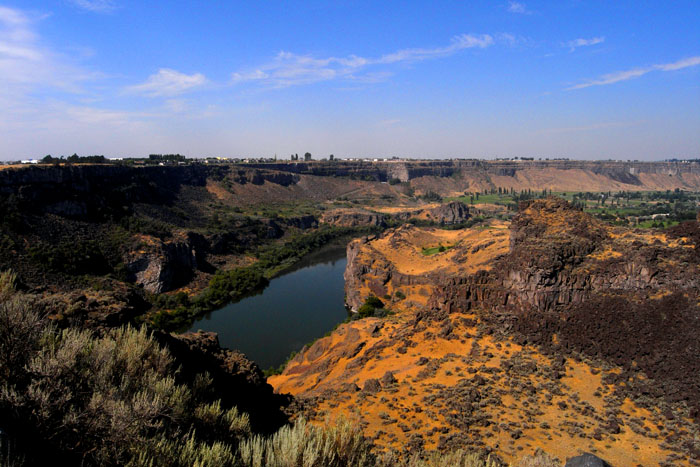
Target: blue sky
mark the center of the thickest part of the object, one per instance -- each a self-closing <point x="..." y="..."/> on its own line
<point x="570" y="78"/>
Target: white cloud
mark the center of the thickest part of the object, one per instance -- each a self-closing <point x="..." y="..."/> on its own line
<point x="573" y="45"/>
<point x="517" y="7"/>
<point x="97" y="6"/>
<point x="685" y="63"/>
<point x="169" y="82"/>
<point x="26" y="63"/>
<point x="94" y="116"/>
<point x="637" y="72"/>
<point x="288" y="69"/>
<point x="463" y="41"/>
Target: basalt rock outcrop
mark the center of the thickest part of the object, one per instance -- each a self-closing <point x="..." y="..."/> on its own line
<point x="353" y="219"/>
<point x="560" y="257"/>
<point x="454" y="212"/>
<point x="371" y="272"/>
<point x="624" y="172"/>
<point x="116" y="305"/>
<point x="570" y="283"/>
<point x="236" y="380"/>
<point x="159" y="266"/>
<point x="556" y="331"/>
<point x="413" y="261"/>
<point x="97" y="192"/>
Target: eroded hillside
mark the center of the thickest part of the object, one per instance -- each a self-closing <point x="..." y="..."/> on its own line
<point x="557" y="331"/>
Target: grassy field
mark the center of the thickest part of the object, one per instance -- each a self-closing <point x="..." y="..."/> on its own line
<point x="631" y="208"/>
<point x="495" y="198"/>
<point x="436" y="249"/>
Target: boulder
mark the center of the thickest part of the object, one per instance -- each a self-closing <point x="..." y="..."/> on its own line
<point x="388" y="379"/>
<point x="586" y="460"/>
<point x="372" y="385"/>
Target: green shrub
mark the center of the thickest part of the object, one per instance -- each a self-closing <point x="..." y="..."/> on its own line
<point x="432" y="196"/>
<point x="369" y="308"/>
<point x="374" y="302"/>
<point x="539" y="459"/>
<point x="458" y="458"/>
<point x="72" y="257"/>
<point x="178" y="311"/>
<point x="304" y="444"/>
<point x="365" y="310"/>
<point x="110" y="399"/>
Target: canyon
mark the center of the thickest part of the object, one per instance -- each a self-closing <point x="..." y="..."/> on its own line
<point x="504" y="328"/>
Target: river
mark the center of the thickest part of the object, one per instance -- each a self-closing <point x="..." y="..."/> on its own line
<point x="299" y="305"/>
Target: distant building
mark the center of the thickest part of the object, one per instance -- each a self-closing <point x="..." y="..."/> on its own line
<point x="30" y="161"/>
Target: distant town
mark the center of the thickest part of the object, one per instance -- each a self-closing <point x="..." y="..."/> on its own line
<point x="178" y="159"/>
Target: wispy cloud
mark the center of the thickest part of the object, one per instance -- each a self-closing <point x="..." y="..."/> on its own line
<point x="576" y="43"/>
<point x="637" y="72"/>
<point x="517" y="7"/>
<point x="169" y="82"/>
<point x="96" y="6"/>
<point x="26" y="63"/>
<point x="288" y="69"/>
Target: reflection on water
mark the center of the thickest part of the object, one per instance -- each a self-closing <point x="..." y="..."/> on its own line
<point x="301" y="304"/>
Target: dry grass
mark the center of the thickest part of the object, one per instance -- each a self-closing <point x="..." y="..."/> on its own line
<point x="474" y="249"/>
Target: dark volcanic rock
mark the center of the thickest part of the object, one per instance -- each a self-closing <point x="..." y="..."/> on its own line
<point x="161" y="266"/>
<point x="301" y="222"/>
<point x="353" y="219"/>
<point x="548" y="286"/>
<point x="372" y="385"/>
<point x="236" y="380"/>
<point x="571" y="285"/>
<point x="349" y="387"/>
<point x="586" y="460"/>
<point x="388" y="379"/>
<point x="454" y="212"/>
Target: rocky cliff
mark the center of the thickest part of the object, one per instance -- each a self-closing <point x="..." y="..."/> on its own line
<point x="454" y="212"/>
<point x="408" y="260"/>
<point x="236" y="380"/>
<point x="555" y="331"/>
<point x="536" y="175"/>
<point x="353" y="218"/>
<point x="95" y="192"/>
<point x="159" y="266"/>
<point x="560" y="256"/>
<point x="561" y="262"/>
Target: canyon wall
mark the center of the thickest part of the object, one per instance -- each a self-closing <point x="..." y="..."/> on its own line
<point x="627" y="173"/>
